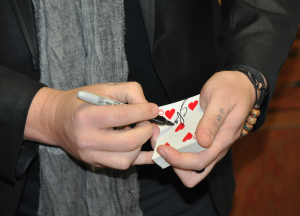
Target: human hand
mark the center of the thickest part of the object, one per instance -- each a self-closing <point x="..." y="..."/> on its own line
<point x="86" y="131"/>
<point x="226" y="99"/>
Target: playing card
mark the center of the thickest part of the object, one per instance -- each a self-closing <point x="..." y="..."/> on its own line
<point x="186" y="115"/>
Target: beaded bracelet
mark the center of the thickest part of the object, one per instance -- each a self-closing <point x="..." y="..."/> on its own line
<point x="254" y="114"/>
<point x="251" y="120"/>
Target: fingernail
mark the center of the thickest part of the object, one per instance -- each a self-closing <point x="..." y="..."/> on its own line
<point x="155" y="111"/>
<point x="199" y="171"/>
<point x="162" y="153"/>
<point x="207" y="137"/>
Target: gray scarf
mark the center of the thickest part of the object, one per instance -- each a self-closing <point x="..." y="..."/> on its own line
<point x="81" y="42"/>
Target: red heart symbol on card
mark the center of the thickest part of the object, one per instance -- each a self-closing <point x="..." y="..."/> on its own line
<point x="161" y="112"/>
<point x="167" y="144"/>
<point x="192" y="105"/>
<point x="187" y="137"/>
<point x="170" y="113"/>
<point x="180" y="127"/>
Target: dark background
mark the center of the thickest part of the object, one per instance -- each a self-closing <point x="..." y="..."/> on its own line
<point x="267" y="162"/>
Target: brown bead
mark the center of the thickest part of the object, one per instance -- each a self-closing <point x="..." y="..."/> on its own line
<point x="244" y="132"/>
<point x="248" y="126"/>
<point x="256" y="106"/>
<point x="251" y="120"/>
<point x="255" y="113"/>
<point x="260" y="86"/>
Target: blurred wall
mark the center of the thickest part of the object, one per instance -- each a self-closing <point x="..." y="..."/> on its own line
<point x="267" y="162"/>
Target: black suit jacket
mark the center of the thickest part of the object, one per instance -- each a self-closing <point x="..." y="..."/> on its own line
<point x="182" y="37"/>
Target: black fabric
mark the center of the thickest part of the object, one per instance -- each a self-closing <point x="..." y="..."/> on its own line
<point x="222" y="184"/>
<point x="16" y="91"/>
<point x="30" y="197"/>
<point x="24" y="13"/>
<point x="258" y="34"/>
<point x="16" y="94"/>
<point x="185" y="45"/>
<point x="10" y="195"/>
<point x="161" y="191"/>
<point x="14" y="52"/>
<point x="138" y="55"/>
<point x="148" y="13"/>
<point x="27" y="154"/>
<point x="15" y="88"/>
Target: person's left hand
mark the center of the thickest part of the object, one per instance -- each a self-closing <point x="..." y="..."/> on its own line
<point x="226" y="99"/>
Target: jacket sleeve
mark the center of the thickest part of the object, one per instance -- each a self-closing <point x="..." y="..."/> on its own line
<point x="16" y="93"/>
<point x="259" y="34"/>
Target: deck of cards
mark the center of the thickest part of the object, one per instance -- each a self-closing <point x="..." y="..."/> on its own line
<point x="185" y="115"/>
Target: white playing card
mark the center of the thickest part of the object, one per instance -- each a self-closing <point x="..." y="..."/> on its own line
<point x="186" y="115"/>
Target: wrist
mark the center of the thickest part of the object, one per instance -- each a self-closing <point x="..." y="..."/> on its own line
<point x="255" y="93"/>
<point x="258" y="81"/>
<point x="40" y="123"/>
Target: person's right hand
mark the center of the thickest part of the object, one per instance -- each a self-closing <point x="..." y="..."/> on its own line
<point x="86" y="131"/>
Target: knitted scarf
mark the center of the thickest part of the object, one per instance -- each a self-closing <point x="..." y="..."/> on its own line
<point x="81" y="42"/>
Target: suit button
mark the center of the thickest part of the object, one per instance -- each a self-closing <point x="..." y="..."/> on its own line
<point x="33" y="63"/>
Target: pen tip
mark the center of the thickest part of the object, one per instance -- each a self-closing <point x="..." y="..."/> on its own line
<point x="170" y="123"/>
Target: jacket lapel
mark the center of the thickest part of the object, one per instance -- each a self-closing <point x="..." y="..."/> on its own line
<point x="24" y="13"/>
<point x="148" y="11"/>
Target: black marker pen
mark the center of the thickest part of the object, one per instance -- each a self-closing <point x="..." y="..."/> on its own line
<point x="99" y="100"/>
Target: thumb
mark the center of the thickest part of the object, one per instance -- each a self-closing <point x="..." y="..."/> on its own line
<point x="213" y="117"/>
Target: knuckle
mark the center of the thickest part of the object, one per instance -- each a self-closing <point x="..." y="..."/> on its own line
<point x="79" y="116"/>
<point x="136" y="89"/>
<point x="83" y="142"/>
<point x="125" y="163"/>
<point x="213" y="122"/>
<point x="223" y="153"/>
<point x="136" y="85"/>
<point x="188" y="183"/>
<point x="175" y="162"/>
<point x="83" y="156"/>
<point x="147" y="127"/>
<point x="221" y="95"/>
<point x="131" y="143"/>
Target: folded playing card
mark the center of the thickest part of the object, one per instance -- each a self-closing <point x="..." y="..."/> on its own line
<point x="185" y="115"/>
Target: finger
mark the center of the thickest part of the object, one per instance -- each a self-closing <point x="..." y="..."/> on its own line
<point x="155" y="134"/>
<point x="144" y="158"/>
<point x="116" y="160"/>
<point x="189" y="161"/>
<point x="214" y="116"/>
<point x="228" y="134"/>
<point x="127" y="92"/>
<point x="192" y="161"/>
<point x="117" y="140"/>
<point x="198" y="161"/>
<point x="190" y="178"/>
<point x="120" y="160"/>
<point x="120" y="115"/>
